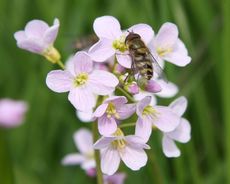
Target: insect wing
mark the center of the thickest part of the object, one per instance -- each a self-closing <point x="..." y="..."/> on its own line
<point x="157" y="68"/>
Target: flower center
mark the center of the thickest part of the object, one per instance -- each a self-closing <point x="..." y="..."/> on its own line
<point x="119" y="143"/>
<point x="163" y="51"/>
<point x="111" y="111"/>
<point x="119" y="44"/>
<point x="149" y="111"/>
<point x="90" y="155"/>
<point x="81" y="79"/>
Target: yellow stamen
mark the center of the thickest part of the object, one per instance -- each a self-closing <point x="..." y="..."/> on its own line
<point x="119" y="143"/>
<point x="111" y="111"/>
<point x="81" y="79"/>
<point x="119" y="44"/>
<point x="163" y="51"/>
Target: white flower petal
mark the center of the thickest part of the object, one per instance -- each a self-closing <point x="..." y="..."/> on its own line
<point x="36" y="28"/>
<point x="59" y="81"/>
<point x="102" y="82"/>
<point x="166" y="36"/>
<point x="143" y="94"/>
<point x="169" y="147"/>
<point x="100" y="110"/>
<point x="177" y="58"/>
<point x="124" y="59"/>
<point x="143" y="129"/>
<point x="32" y="45"/>
<point x="142" y="104"/>
<point x="182" y="133"/>
<point x="85" y="116"/>
<point x="106" y="126"/>
<point x="125" y="111"/>
<point x="88" y="164"/>
<point x="136" y="142"/>
<point x="20" y="36"/>
<point x="144" y="30"/>
<point x="117" y="100"/>
<point x="82" y="98"/>
<point x="168" y="89"/>
<point x="82" y="63"/>
<point x="103" y="142"/>
<point x="134" y="158"/>
<point x="83" y="140"/>
<point x="102" y="50"/>
<point x="179" y="105"/>
<point x="110" y="161"/>
<point x="73" y="159"/>
<point x="107" y="27"/>
<point x="166" y="120"/>
<point x="51" y="33"/>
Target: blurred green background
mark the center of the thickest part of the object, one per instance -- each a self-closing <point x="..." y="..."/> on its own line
<point x="31" y="153"/>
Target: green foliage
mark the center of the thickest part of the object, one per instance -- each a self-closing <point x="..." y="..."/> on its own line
<point x="31" y="154"/>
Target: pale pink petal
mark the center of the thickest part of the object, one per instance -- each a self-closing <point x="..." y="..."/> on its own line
<point x="85" y="116"/>
<point x="82" y="99"/>
<point x="73" y="159"/>
<point x="166" y="119"/>
<point x="136" y="142"/>
<point x="88" y="164"/>
<point x="106" y="126"/>
<point x="32" y="45"/>
<point x="125" y="111"/>
<point x="179" y="105"/>
<point x="51" y="33"/>
<point x="107" y="27"/>
<point x="133" y="158"/>
<point x="124" y="59"/>
<point x="12" y="112"/>
<point x="116" y="100"/>
<point x="143" y="129"/>
<point x="115" y="179"/>
<point x="166" y="36"/>
<point x="36" y="28"/>
<point x="142" y="104"/>
<point x="83" y="140"/>
<point x="82" y="63"/>
<point x="169" y="147"/>
<point x="110" y="161"/>
<point x="103" y="142"/>
<point x="143" y="94"/>
<point x="102" y="50"/>
<point x="177" y="58"/>
<point x="100" y="110"/>
<point x="102" y="82"/>
<point x="20" y="36"/>
<point x="168" y="89"/>
<point x="59" y="81"/>
<point x="144" y="30"/>
<point x="182" y="133"/>
<point x="153" y="86"/>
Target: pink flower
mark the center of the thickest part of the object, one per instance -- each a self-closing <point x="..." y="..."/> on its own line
<point x="85" y="116"/>
<point x="181" y="134"/>
<point x="169" y="47"/>
<point x="132" y="88"/>
<point x="161" y="117"/>
<point x="115" y="179"/>
<point x="112" y="40"/>
<point x="84" y="142"/>
<point x="129" y="149"/>
<point x="112" y="109"/>
<point x="12" y="112"/>
<point x="82" y="82"/>
<point x="38" y="38"/>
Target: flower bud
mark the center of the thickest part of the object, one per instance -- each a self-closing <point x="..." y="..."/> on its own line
<point x="132" y="88"/>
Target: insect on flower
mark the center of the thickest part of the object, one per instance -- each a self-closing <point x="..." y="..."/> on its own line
<point x="143" y="62"/>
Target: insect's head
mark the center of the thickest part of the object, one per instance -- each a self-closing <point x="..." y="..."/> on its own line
<point x="131" y="36"/>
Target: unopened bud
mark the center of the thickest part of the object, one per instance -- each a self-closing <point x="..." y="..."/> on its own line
<point x="132" y="88"/>
<point x="152" y="86"/>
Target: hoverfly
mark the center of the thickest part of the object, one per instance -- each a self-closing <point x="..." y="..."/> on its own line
<point x="143" y="62"/>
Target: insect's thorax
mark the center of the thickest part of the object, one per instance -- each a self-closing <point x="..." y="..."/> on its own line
<point x="141" y="58"/>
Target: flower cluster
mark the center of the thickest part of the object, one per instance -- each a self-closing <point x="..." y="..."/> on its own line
<point x="103" y="86"/>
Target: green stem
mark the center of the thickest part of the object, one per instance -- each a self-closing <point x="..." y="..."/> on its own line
<point x="97" y="155"/>
<point x="127" y="125"/>
<point x="59" y="62"/>
<point x="126" y="94"/>
<point x="96" y="152"/>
